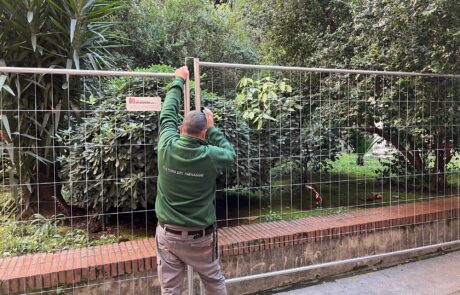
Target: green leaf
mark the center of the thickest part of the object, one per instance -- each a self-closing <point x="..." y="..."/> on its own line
<point x="18" y="87"/>
<point x="33" y="40"/>
<point x="6" y="125"/>
<point x="10" y="150"/>
<point x="73" y="23"/>
<point x="26" y="135"/>
<point x="88" y="5"/>
<point x="41" y="159"/>
<point x="29" y="187"/>
<point x="76" y="59"/>
<point x="30" y="16"/>
<point x="282" y="86"/>
<point x="260" y="124"/>
<point x="14" y="189"/>
<point x="2" y="80"/>
<point x="7" y="88"/>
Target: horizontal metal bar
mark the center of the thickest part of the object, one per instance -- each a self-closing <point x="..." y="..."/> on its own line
<point x="324" y="70"/>
<point x="335" y="263"/>
<point x="51" y="71"/>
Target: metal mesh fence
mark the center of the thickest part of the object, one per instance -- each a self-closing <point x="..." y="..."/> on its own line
<point x="313" y="143"/>
<point x="316" y="141"/>
<point x="79" y="170"/>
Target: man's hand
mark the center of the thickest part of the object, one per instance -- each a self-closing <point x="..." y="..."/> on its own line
<point x="182" y="72"/>
<point x="209" y="117"/>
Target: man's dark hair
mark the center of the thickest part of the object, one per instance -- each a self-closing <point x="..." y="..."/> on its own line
<point x="195" y="123"/>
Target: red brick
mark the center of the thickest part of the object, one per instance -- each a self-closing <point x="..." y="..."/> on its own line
<point x="53" y="277"/>
<point x="5" y="287"/>
<point x="234" y="249"/>
<point x="113" y="262"/>
<point x="31" y="283"/>
<point x="141" y="265"/>
<point x="222" y="233"/>
<point x="105" y="252"/>
<point x="98" y="255"/>
<point x="146" y="255"/>
<point x="92" y="273"/>
<point x="77" y="266"/>
<point x="154" y="263"/>
<point x="221" y="250"/>
<point x="226" y="250"/>
<point x="126" y="257"/>
<point x="39" y="282"/>
<point x="46" y="279"/>
<point x="9" y="266"/>
<point x="61" y="278"/>
<point x="22" y="285"/>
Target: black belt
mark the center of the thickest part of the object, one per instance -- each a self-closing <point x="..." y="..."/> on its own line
<point x="195" y="233"/>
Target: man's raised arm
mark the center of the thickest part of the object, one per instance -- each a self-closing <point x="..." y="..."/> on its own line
<point x="222" y="151"/>
<point x="170" y="109"/>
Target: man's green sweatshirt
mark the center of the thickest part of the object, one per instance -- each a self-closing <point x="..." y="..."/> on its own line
<point x="187" y="168"/>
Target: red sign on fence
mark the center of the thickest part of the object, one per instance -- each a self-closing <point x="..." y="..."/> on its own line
<point x="143" y="104"/>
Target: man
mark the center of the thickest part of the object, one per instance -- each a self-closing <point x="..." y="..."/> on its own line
<point x="189" y="160"/>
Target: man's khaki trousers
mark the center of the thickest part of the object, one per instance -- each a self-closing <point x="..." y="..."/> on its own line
<point x="175" y="252"/>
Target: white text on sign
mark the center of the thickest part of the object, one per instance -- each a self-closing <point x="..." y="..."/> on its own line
<point x="143" y="104"/>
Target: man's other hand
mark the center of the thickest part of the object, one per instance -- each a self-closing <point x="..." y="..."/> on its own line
<point x="209" y="117"/>
<point x="182" y="72"/>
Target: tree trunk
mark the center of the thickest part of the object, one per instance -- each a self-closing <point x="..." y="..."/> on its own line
<point x="412" y="155"/>
<point x="48" y="188"/>
<point x="443" y="155"/>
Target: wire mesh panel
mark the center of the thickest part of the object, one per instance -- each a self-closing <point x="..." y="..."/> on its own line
<point x="321" y="142"/>
<point x="78" y="169"/>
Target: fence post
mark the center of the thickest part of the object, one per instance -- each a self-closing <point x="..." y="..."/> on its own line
<point x="201" y="288"/>
<point x="190" y="279"/>
<point x="187" y="97"/>
<point x="186" y="110"/>
<point x="196" y="76"/>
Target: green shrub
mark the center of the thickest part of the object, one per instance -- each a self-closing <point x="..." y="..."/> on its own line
<point x="111" y="160"/>
<point x="43" y="235"/>
<point x="272" y="216"/>
<point x="168" y="31"/>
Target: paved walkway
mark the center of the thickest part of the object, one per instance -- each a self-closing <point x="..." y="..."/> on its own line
<point x="439" y="275"/>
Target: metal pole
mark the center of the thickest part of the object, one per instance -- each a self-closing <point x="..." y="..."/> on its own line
<point x="323" y="70"/>
<point x="190" y="279"/>
<point x="187" y="96"/>
<point x="186" y="110"/>
<point x="196" y="68"/>
<point x="335" y="263"/>
<point x="201" y="288"/>
<point x="51" y="71"/>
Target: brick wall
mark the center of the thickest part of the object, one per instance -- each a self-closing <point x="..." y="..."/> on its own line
<point x="108" y="263"/>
